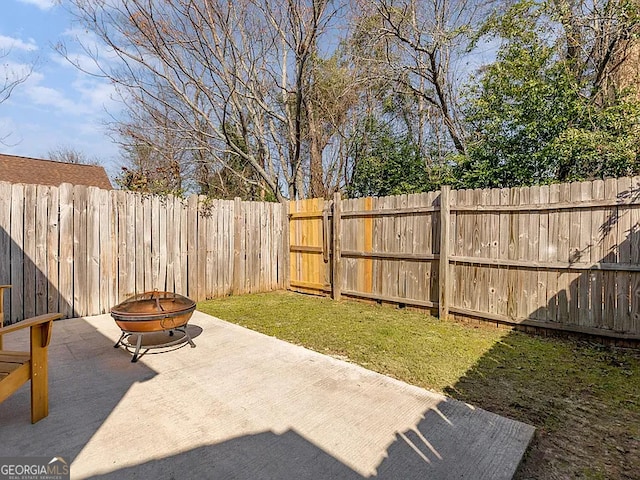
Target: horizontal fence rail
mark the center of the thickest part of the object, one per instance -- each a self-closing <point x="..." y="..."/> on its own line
<point x="82" y="250"/>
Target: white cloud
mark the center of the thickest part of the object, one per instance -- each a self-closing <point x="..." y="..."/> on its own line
<point x="51" y="97"/>
<point x="37" y="92"/>
<point x="10" y="43"/>
<point x="84" y="97"/>
<point x="98" y="94"/>
<point x="41" y="4"/>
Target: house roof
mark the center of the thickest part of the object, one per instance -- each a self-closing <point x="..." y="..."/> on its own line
<point x="14" y="169"/>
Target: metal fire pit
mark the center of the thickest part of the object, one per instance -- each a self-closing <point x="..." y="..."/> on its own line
<point x="150" y="313"/>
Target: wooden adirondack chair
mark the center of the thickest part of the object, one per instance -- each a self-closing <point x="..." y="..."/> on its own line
<point x="16" y="368"/>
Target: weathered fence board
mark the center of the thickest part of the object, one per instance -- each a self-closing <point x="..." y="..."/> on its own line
<point x="5" y="248"/>
<point x="53" y="250"/>
<point x="65" y="265"/>
<point x="17" y="252"/>
<point x="93" y="250"/>
<point x="183" y="247"/>
<point x="29" y="246"/>
<point x="634" y="233"/>
<point x="41" y="264"/>
<point x="597" y="254"/>
<point x="107" y="251"/>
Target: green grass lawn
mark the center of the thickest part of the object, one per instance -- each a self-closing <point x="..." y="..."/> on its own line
<point x="584" y="399"/>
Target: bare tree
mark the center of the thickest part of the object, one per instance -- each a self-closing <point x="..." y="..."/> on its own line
<point x="153" y="149"/>
<point x="232" y="74"/>
<point x="69" y="154"/>
<point x="415" y="47"/>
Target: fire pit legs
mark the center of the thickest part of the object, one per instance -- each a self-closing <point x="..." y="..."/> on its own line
<point x="120" y="340"/>
<point x="134" y="359"/>
<point x="138" y="345"/>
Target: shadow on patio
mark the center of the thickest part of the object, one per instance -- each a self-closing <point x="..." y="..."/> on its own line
<point x="87" y="380"/>
<point x="289" y="455"/>
<point x="244" y="405"/>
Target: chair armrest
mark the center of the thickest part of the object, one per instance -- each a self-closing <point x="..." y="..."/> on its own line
<point x="32" y="322"/>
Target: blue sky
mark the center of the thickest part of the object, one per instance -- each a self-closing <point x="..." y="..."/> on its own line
<point x="58" y="105"/>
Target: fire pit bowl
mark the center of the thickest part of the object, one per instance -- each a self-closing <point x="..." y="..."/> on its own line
<point x="152" y="312"/>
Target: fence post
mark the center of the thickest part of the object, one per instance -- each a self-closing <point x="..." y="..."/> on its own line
<point x="336" y="267"/>
<point x="445" y="224"/>
<point x="286" y="242"/>
<point x="237" y="233"/>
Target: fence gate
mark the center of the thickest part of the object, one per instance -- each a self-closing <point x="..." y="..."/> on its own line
<point x="310" y="246"/>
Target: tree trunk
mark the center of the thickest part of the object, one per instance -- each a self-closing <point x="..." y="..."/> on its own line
<point x="316" y="146"/>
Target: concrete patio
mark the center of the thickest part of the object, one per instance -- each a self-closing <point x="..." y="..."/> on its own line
<point x="245" y="406"/>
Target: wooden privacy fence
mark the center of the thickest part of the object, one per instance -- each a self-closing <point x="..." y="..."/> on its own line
<point x="82" y="250"/>
<point x="561" y="256"/>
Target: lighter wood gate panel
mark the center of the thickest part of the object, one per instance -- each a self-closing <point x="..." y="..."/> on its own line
<point x="309" y="247"/>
